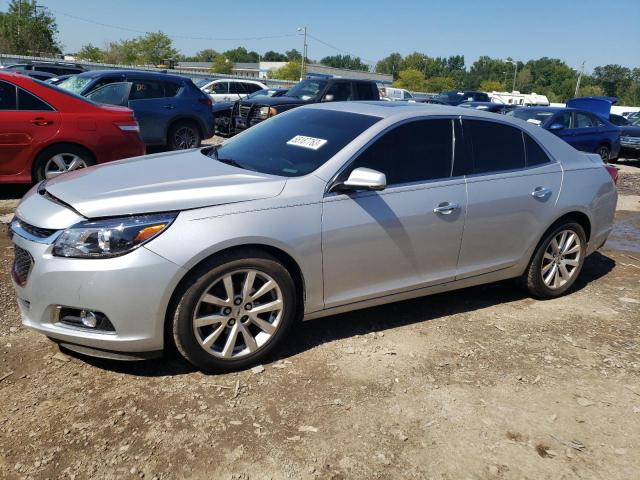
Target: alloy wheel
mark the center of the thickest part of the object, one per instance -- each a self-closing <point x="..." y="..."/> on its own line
<point x="238" y="314"/>
<point x="604" y="153"/>
<point x="63" y="163"/>
<point x="561" y="259"/>
<point x="185" y="137"/>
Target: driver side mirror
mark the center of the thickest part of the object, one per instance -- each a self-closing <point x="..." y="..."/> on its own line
<point x="362" y="179"/>
<point x="328" y="98"/>
<point x="556" y="126"/>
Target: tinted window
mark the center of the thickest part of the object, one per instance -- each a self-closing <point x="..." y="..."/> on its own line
<point x="276" y="147"/>
<point x="170" y="89"/>
<point x="364" y="91"/>
<point x="563" y="119"/>
<point x="7" y="96"/>
<point x="535" y="154"/>
<point x="252" y="87"/>
<point x="583" y="120"/>
<point x="341" y="91"/>
<point x="146" y="89"/>
<point x="495" y="146"/>
<point x="26" y="101"/>
<point x="237" y="88"/>
<point x="413" y="152"/>
<point x="54" y="70"/>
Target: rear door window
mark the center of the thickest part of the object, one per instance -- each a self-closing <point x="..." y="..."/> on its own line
<point x="26" y="101"/>
<point x="7" y="96"/>
<point x="252" y="87"/>
<point x="237" y="88"/>
<point x="364" y="91"/>
<point x="417" y="151"/>
<point x="341" y="92"/>
<point x="170" y="89"/>
<point x="146" y="90"/>
<point x="496" y="147"/>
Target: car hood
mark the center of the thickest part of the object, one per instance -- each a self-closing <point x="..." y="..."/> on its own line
<point x="160" y="183"/>
<point x="273" y="101"/>
<point x="630" y="131"/>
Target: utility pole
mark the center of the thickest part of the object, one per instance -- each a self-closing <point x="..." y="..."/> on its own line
<point x="304" y="51"/>
<point x="579" y="78"/>
<point x="515" y="73"/>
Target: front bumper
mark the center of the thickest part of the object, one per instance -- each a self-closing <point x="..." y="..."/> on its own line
<point x="133" y="291"/>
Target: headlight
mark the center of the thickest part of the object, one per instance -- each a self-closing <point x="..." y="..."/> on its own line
<point x="266" y="112"/>
<point x="110" y="237"/>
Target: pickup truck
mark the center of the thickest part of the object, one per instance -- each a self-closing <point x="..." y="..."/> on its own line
<point x="250" y="111"/>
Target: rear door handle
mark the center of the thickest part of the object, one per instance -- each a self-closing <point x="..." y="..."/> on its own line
<point x="169" y="107"/>
<point x="541" y="192"/>
<point x="41" y="121"/>
<point x="446" y="208"/>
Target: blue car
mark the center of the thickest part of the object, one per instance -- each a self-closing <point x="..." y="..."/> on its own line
<point x="582" y="129"/>
<point x="170" y="109"/>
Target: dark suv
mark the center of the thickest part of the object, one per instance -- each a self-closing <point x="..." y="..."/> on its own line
<point x="170" y="109"/>
<point x="46" y="70"/>
<point x="456" y="97"/>
<point x="249" y="111"/>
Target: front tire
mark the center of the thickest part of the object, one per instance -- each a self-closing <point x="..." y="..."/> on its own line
<point x="604" y="153"/>
<point x="557" y="261"/>
<point x="234" y="311"/>
<point x="183" y="135"/>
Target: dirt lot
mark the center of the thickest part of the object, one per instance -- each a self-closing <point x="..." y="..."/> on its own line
<point x="483" y="383"/>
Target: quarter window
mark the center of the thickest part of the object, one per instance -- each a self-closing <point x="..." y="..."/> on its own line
<point x="26" y="101"/>
<point x="535" y="154"/>
<point x="7" y="96"/>
<point x="413" y="152"/>
<point x="496" y="147"/>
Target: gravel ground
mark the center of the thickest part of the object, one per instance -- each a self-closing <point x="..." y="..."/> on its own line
<point x="482" y="383"/>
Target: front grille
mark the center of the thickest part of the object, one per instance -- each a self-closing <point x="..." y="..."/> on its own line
<point x="22" y="265"/>
<point x="36" y="231"/>
<point x="244" y="111"/>
<point x="630" y="140"/>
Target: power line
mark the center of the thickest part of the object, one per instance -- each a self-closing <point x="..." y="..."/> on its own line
<point x="370" y="62"/>
<point x="186" y="37"/>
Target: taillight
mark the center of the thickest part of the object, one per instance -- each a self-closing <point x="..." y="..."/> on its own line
<point x="206" y="101"/>
<point x="614" y="172"/>
<point x="128" y="127"/>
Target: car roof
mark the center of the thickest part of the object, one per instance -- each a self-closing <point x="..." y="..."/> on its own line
<point x="140" y="73"/>
<point x="383" y="109"/>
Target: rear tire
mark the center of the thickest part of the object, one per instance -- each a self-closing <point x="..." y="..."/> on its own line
<point x="183" y="135"/>
<point x="58" y="159"/>
<point x="557" y="261"/>
<point x="604" y="153"/>
<point x="234" y="311"/>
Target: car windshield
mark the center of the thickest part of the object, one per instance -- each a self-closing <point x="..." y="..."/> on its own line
<point x="636" y="122"/>
<point x="68" y="93"/>
<point x="75" y="84"/>
<point x="294" y="143"/>
<point x="536" y="116"/>
<point x="306" y="89"/>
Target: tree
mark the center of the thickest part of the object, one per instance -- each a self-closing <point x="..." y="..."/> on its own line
<point x="91" y="53"/>
<point x="206" y="55"/>
<point x="155" y="48"/>
<point x="590" y="91"/>
<point x="293" y="55"/>
<point x="28" y="29"/>
<point x="272" y="56"/>
<point x="614" y="79"/>
<point x="439" y="84"/>
<point x="221" y="64"/>
<point x="390" y="65"/>
<point x="124" y="52"/>
<point x="290" y="71"/>
<point x="241" y="55"/>
<point x="345" y="61"/>
<point x="411" y="79"/>
<point x="491" y="86"/>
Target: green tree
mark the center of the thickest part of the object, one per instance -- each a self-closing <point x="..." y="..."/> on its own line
<point x="124" y="52"/>
<point x="241" y="55"/>
<point x="155" y="48"/>
<point x="345" y="61"/>
<point x="206" y="55"/>
<point x="390" y="65"/>
<point x="222" y="64"/>
<point x="91" y="53"/>
<point x="415" y="61"/>
<point x="614" y="79"/>
<point x="293" y="55"/>
<point x="272" y="56"/>
<point x="28" y="29"/>
<point x="439" y="84"/>
<point x="411" y="79"/>
<point x="491" y="85"/>
<point x="590" y="91"/>
<point x="290" y="71"/>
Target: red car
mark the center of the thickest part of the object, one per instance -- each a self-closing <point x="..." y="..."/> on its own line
<point x="46" y="131"/>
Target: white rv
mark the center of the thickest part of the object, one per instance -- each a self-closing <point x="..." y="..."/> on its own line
<point x="517" y="98"/>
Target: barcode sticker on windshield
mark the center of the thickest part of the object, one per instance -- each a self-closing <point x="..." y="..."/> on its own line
<point x="534" y="121"/>
<point x="307" y="142"/>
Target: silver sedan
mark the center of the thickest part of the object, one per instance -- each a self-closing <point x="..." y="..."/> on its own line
<point x="320" y="210"/>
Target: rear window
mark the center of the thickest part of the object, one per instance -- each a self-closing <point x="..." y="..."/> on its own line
<point x="295" y="143"/>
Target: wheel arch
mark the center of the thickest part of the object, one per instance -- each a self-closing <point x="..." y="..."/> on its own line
<point x="58" y="143"/>
<point x="184" y="118"/>
<point x="282" y="256"/>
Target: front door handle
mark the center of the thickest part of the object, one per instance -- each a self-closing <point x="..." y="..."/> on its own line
<point x="41" y="121"/>
<point x="541" y="192"/>
<point x="446" y="208"/>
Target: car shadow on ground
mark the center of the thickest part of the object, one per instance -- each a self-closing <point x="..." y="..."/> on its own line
<point x="308" y="335"/>
<point x="13" y="190"/>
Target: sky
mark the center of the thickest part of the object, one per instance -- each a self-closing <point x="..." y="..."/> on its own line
<point x="597" y="32"/>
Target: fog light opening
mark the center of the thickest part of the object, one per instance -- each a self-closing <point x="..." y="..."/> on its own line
<point x="83" y="318"/>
